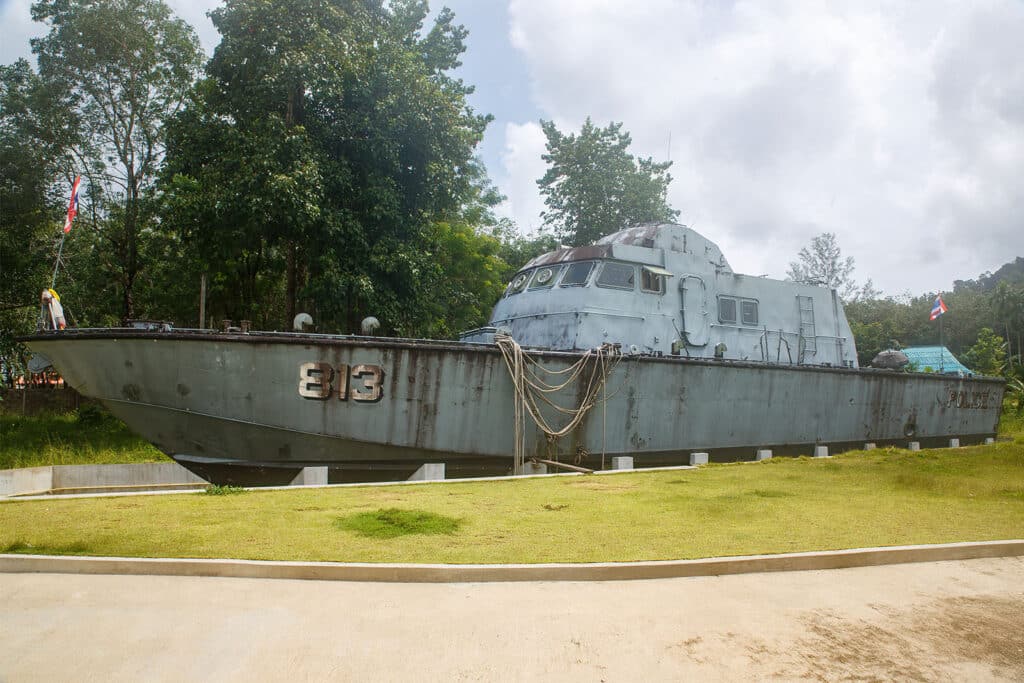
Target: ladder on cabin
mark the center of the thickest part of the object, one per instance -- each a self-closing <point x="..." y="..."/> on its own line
<point x="808" y="338"/>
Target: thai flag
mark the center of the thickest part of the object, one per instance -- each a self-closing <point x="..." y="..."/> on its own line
<point x="939" y="308"/>
<point x="72" y="205"/>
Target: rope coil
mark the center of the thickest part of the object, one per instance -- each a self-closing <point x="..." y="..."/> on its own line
<point x="533" y="390"/>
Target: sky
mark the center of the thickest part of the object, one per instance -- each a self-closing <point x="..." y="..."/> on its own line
<point x="898" y="126"/>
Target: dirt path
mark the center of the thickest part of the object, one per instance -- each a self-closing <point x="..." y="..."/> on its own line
<point x="939" y="621"/>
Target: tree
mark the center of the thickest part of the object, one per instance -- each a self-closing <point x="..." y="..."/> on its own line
<point x="27" y="215"/>
<point x="118" y="69"/>
<point x="988" y="355"/>
<point x="316" y="160"/>
<point x="594" y="187"/>
<point x="822" y="264"/>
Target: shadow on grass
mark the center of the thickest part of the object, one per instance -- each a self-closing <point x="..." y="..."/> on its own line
<point x="393" y="522"/>
<point x="25" y="548"/>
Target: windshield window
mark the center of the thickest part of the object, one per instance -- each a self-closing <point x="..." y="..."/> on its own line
<point x="617" y="275"/>
<point x="544" y="278"/>
<point x="518" y="283"/>
<point x="577" y="273"/>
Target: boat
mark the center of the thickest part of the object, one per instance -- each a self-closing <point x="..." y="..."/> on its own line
<point x="644" y="345"/>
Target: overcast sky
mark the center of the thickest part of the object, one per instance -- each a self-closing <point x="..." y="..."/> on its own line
<point x="897" y="125"/>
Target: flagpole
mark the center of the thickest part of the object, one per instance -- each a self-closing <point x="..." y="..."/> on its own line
<point x="56" y="266"/>
<point x="942" y="349"/>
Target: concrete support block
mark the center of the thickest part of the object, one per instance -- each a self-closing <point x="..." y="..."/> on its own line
<point x="915" y="445"/>
<point x="698" y="458"/>
<point x="763" y="454"/>
<point x="534" y="468"/>
<point x="870" y="446"/>
<point x="311" y="476"/>
<point x="429" y="471"/>
<point x="989" y="440"/>
<point x="622" y="462"/>
<point x="954" y="443"/>
<point x="821" y="451"/>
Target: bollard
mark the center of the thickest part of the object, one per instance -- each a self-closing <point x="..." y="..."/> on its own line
<point x="763" y="454"/>
<point x="915" y="445"/>
<point x="821" y="451"/>
<point x="698" y="458"/>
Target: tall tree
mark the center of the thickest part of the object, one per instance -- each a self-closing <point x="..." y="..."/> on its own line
<point x="822" y="264"/>
<point x="27" y="215"/>
<point x="594" y="186"/>
<point x="324" y="145"/>
<point x="119" y="69"/>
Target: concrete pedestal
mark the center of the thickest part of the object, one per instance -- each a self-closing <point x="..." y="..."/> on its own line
<point x="698" y="458"/>
<point x="870" y="446"/>
<point x="915" y="445"/>
<point x="763" y="454"/>
<point x="821" y="451"/>
<point x="429" y="471"/>
<point x="623" y="462"/>
<point x="311" y="476"/>
<point x="954" y="443"/>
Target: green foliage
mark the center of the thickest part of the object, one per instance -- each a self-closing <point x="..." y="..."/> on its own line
<point x="988" y="355"/>
<point x="96" y="438"/>
<point x="28" y="223"/>
<point x="594" y="186"/>
<point x="394" y="522"/>
<point x="111" y="72"/>
<point x="319" y="159"/>
<point x="226" y="490"/>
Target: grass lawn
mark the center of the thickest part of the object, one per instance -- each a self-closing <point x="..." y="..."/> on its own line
<point x="857" y="499"/>
<point x="886" y="497"/>
<point x="90" y="436"/>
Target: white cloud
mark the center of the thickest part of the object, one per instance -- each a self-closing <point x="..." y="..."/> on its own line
<point x="16" y="18"/>
<point x="898" y="126"/>
<point x="521" y="167"/>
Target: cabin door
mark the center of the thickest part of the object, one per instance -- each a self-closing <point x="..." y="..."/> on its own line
<point x="696" y="325"/>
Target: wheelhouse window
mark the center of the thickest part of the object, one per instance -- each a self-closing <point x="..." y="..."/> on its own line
<point x="518" y="283"/>
<point x="652" y="279"/>
<point x="577" y="274"/>
<point x="730" y="306"/>
<point x="726" y="310"/>
<point x="748" y="312"/>
<point x="617" y="276"/>
<point x="544" y="278"/>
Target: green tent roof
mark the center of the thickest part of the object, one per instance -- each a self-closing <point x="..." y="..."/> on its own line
<point x="938" y="358"/>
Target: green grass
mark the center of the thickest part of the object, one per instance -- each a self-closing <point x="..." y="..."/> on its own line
<point x="857" y="499"/>
<point x="395" y="522"/>
<point x="878" y="498"/>
<point x="90" y="436"/>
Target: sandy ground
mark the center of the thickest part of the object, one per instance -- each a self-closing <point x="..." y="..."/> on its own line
<point x="939" y="621"/>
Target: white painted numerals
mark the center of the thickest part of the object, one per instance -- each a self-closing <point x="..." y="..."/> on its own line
<point x="362" y="383"/>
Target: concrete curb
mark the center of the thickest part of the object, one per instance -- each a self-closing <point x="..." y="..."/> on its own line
<point x="463" y="573"/>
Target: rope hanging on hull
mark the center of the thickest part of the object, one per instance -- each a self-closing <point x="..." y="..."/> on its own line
<point x="532" y="389"/>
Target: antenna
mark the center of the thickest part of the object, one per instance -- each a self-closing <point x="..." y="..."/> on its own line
<point x="668" y="152"/>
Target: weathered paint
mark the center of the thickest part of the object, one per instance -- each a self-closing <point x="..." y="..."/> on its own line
<point x="235" y="398"/>
<point x="685" y="312"/>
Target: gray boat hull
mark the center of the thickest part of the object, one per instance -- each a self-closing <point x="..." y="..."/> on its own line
<point x="223" y="403"/>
